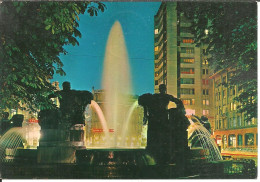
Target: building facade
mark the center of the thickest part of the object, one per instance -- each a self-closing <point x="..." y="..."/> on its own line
<point x="233" y="134"/>
<point x="179" y="64"/>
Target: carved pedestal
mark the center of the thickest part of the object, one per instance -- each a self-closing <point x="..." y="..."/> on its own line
<point x="59" y="145"/>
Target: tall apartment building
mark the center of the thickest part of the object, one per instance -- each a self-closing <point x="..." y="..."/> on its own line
<point x="233" y="134"/>
<point x="179" y="64"/>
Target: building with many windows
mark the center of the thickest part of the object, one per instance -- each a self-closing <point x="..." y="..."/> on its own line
<point x="179" y="64"/>
<point x="233" y="134"/>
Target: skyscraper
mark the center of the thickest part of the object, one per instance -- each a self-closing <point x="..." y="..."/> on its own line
<point x="179" y="64"/>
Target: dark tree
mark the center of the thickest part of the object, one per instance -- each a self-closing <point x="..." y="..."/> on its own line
<point x="32" y="36"/>
<point x="232" y="43"/>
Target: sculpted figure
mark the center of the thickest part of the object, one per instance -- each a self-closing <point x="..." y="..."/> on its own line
<point x="72" y="107"/>
<point x="148" y="103"/>
<point x="162" y="99"/>
<point x="162" y="123"/>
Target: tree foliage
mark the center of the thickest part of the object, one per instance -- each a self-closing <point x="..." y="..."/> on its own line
<point x="232" y="43"/>
<point x="32" y="36"/>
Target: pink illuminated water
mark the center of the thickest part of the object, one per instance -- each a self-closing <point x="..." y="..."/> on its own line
<point x="101" y="116"/>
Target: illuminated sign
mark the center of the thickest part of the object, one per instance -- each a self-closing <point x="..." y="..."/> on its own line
<point x="33" y="120"/>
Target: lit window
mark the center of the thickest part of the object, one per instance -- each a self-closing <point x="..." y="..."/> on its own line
<point x="190" y="112"/>
<point x="187" y="70"/>
<point x="205" y="112"/>
<point x="218" y="139"/>
<point x="190" y="50"/>
<point x="188" y="101"/>
<point x="232" y="140"/>
<point x="187" y="50"/>
<point x="187" y="41"/>
<point x="205" y="102"/>
<point x="253" y="120"/>
<point x="187" y="60"/>
<point x="205" y="62"/>
<point x="156" y="31"/>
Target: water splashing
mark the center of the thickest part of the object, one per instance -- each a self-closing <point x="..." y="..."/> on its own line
<point x="128" y="119"/>
<point x="198" y="133"/>
<point x="101" y="116"/>
<point x="10" y="142"/>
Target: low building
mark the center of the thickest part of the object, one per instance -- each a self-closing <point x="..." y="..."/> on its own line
<point x="234" y="135"/>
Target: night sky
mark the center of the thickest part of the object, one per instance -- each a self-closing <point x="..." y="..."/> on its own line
<point x="84" y="63"/>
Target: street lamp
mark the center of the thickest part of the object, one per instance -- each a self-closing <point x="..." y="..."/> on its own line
<point x="206" y="31"/>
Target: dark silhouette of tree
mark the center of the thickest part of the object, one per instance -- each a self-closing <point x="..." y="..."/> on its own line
<point x="32" y="36"/>
<point x="232" y="43"/>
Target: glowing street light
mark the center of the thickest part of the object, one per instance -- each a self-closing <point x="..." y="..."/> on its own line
<point x="206" y="31"/>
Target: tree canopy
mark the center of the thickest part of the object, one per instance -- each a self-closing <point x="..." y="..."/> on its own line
<point x="232" y="43"/>
<point x="32" y="36"/>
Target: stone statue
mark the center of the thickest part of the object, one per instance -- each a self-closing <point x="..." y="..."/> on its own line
<point x="72" y="107"/>
<point x="163" y="123"/>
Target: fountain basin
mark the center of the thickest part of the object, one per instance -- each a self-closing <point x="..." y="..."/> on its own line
<point x="114" y="157"/>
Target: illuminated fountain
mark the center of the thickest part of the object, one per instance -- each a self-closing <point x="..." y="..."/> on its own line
<point x="118" y="107"/>
<point x="10" y="141"/>
<point x="117" y="149"/>
<point x="200" y="138"/>
<point x="17" y="139"/>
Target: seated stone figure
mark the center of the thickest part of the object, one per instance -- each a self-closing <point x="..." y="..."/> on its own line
<point x="72" y="107"/>
<point x="81" y="100"/>
<point x="161" y="122"/>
